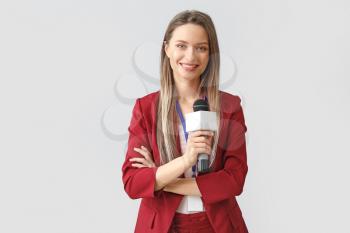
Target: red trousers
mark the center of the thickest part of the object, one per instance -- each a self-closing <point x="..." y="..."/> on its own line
<point x="191" y="223"/>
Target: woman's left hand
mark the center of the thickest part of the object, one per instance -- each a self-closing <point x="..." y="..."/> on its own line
<point x="147" y="161"/>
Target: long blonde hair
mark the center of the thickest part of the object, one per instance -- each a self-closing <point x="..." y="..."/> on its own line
<point x="167" y="121"/>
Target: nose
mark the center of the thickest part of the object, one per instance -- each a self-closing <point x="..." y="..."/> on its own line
<point x="190" y="54"/>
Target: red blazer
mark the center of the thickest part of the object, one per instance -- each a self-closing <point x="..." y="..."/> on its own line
<point x="219" y="188"/>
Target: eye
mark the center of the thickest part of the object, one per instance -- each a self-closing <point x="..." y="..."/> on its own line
<point x="180" y="46"/>
<point x="203" y="49"/>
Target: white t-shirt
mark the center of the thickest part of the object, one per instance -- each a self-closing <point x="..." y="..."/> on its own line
<point x="188" y="204"/>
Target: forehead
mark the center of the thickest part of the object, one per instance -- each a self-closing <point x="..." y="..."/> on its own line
<point x="190" y="33"/>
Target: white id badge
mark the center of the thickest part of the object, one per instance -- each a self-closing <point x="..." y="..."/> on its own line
<point x="194" y="203"/>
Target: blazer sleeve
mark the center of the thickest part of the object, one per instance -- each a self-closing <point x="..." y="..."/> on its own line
<point x="229" y="181"/>
<point x="138" y="182"/>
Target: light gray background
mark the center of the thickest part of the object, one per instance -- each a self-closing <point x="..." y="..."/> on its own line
<point x="70" y="71"/>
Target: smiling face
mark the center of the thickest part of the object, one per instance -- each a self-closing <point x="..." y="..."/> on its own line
<point x="188" y="52"/>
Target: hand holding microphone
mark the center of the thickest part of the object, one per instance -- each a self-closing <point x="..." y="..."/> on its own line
<point x="199" y="142"/>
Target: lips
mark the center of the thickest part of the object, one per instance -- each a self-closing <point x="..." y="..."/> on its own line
<point x="188" y="66"/>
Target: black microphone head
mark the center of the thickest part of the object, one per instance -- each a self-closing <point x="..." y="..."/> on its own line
<point x="200" y="105"/>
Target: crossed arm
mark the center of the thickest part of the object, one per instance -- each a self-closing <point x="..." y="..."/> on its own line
<point x="182" y="186"/>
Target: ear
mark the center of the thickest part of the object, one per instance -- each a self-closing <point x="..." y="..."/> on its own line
<point x="166" y="48"/>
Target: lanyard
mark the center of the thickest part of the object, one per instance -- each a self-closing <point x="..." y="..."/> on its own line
<point x="183" y="122"/>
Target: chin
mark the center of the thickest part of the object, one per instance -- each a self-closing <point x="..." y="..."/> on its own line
<point x="189" y="76"/>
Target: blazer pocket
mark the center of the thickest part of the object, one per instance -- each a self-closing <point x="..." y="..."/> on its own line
<point x="146" y="219"/>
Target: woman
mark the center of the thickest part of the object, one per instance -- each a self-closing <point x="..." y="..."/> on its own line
<point x="160" y="163"/>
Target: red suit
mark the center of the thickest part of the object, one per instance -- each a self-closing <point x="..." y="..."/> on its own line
<point x="219" y="188"/>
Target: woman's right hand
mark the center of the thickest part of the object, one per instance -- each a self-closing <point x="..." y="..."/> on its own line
<point x="198" y="142"/>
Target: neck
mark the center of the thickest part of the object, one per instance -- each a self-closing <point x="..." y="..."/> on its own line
<point x="188" y="91"/>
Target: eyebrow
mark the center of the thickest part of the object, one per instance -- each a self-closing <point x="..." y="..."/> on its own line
<point x="187" y="42"/>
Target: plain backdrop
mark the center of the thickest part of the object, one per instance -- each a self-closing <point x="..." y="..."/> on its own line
<point x="70" y="72"/>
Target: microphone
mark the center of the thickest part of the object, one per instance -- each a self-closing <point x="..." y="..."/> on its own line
<point x="203" y="159"/>
<point x="201" y="119"/>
